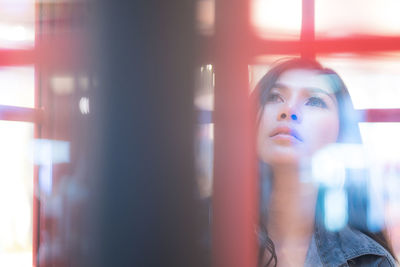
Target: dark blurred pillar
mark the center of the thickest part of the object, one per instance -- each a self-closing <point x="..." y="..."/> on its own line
<point x="142" y="134"/>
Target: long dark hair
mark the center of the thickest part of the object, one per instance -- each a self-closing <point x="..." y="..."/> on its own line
<point x="348" y="133"/>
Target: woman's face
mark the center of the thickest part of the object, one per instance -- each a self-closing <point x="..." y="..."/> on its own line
<point x="299" y="117"/>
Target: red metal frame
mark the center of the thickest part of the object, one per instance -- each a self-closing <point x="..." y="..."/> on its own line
<point x="12" y="113"/>
<point x="10" y="57"/>
<point x="382" y="115"/>
<point x="258" y="46"/>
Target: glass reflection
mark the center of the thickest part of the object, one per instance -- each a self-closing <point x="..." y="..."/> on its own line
<point x="382" y="143"/>
<point x="346" y="18"/>
<point x="372" y="79"/>
<point x="277" y="19"/>
<point x="16" y="194"/>
<point x="205" y="16"/>
<point x="17" y="24"/>
<point x="17" y="86"/>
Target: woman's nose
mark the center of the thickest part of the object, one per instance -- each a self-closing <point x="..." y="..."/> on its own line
<point x="289" y="113"/>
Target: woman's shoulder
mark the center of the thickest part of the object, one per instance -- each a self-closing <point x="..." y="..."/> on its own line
<point x="351" y="247"/>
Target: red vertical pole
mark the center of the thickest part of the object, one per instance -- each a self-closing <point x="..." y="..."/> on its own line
<point x="308" y="29"/>
<point x="36" y="201"/>
<point x="36" y="135"/>
<point x="234" y="193"/>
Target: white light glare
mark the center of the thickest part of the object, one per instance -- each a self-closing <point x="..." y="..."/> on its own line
<point x="330" y="163"/>
<point x="327" y="169"/>
<point x="16" y="6"/>
<point x="376" y="205"/>
<point x="62" y="85"/>
<point x="47" y="153"/>
<point x="51" y="150"/>
<point x="382" y="140"/>
<point x="15" y="33"/>
<point x="277" y="18"/>
<point x="84" y="105"/>
<point x="335" y="206"/>
<point x="16" y="181"/>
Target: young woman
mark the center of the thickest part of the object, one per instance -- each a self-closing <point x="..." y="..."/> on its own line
<point x="304" y="107"/>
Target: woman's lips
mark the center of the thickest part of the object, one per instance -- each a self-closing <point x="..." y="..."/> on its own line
<point x="285" y="133"/>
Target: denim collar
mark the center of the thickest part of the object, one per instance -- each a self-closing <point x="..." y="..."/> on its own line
<point x="336" y="248"/>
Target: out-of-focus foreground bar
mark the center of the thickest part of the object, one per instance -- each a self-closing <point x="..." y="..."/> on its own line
<point x="141" y="136"/>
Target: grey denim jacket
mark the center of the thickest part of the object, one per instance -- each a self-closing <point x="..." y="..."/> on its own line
<point x="350" y="247"/>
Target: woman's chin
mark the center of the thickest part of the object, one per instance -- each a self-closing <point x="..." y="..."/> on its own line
<point x="283" y="159"/>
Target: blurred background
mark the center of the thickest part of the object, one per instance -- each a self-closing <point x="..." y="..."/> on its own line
<point x="107" y="115"/>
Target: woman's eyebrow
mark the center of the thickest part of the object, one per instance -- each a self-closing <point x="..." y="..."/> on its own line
<point x="280" y="86"/>
<point x="319" y="90"/>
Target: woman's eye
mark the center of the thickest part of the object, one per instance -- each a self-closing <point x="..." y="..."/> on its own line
<point x="316" y="102"/>
<point x="274" y="98"/>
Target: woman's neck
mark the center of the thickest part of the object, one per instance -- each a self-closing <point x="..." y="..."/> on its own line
<point x="291" y="214"/>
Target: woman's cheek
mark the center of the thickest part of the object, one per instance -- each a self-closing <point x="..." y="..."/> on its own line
<point x="325" y="131"/>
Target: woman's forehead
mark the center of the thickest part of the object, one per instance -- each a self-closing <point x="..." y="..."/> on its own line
<point x="304" y="79"/>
